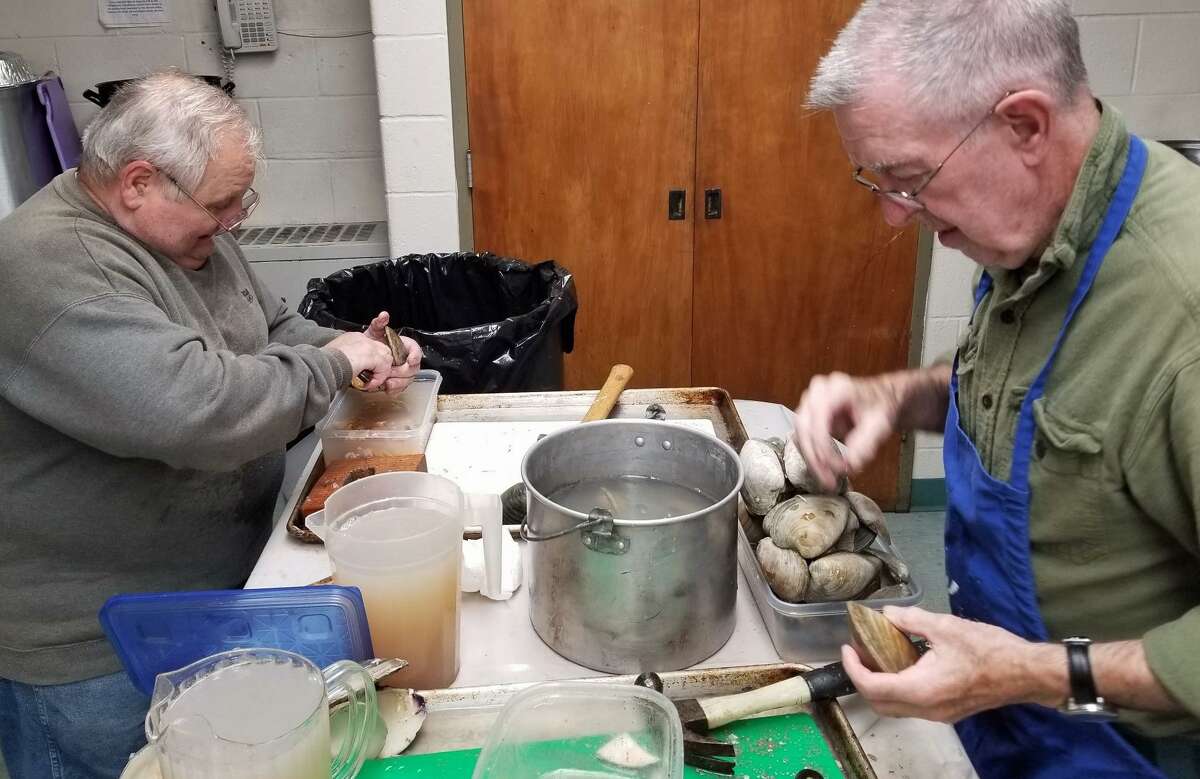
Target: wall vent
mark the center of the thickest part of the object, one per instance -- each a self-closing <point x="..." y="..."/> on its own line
<point x="324" y="241"/>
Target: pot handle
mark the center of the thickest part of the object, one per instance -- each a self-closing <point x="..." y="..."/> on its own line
<point x="599" y="534"/>
<point x="597" y="517"/>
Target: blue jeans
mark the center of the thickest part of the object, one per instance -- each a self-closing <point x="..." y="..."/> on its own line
<point x="81" y="730"/>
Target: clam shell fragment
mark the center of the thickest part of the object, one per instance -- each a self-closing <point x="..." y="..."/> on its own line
<point x="897" y="568"/>
<point x="808" y="524"/>
<point x="891" y="591"/>
<point x="840" y="576"/>
<point x="764" y="481"/>
<point x="785" y="570"/>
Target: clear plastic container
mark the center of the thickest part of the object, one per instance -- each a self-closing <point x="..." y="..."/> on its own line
<point x="378" y="424"/>
<point x="807" y="632"/>
<point x="580" y="730"/>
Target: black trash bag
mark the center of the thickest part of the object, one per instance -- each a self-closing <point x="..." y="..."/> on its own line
<point x="486" y="323"/>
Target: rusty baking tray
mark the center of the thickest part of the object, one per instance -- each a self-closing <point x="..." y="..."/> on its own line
<point x="709" y="403"/>
<point x="461" y="718"/>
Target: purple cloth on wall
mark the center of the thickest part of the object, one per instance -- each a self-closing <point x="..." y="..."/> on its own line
<point x="60" y="122"/>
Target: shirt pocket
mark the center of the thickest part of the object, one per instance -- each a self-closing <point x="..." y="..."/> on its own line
<point x="1073" y="494"/>
<point x="1063" y="445"/>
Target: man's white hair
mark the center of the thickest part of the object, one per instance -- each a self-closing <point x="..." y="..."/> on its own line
<point x="171" y="120"/>
<point x="953" y="58"/>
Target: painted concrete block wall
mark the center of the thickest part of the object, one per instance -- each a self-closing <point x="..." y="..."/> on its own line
<point x="1142" y="58"/>
<point x="315" y="98"/>
<point x="412" y="61"/>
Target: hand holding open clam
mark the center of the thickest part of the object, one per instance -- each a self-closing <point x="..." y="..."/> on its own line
<point x="814" y="548"/>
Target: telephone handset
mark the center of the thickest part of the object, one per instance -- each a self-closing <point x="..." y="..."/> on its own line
<point x="247" y="25"/>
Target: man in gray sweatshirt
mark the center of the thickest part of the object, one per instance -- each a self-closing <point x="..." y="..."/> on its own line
<point x="148" y="385"/>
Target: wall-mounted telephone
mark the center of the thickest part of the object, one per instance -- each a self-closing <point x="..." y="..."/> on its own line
<point x="247" y="25"/>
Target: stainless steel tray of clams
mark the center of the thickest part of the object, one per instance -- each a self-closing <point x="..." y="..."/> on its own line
<point x="805" y="554"/>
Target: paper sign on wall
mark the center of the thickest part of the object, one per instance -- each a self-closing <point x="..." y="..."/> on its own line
<point x="133" y="13"/>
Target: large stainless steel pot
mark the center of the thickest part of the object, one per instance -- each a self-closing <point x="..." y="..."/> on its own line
<point x="626" y="596"/>
<point x="27" y="159"/>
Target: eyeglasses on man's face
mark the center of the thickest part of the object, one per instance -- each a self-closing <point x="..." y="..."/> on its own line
<point x="249" y="201"/>
<point x="908" y="199"/>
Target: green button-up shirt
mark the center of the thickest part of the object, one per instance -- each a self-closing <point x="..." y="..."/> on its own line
<point x="1115" y="476"/>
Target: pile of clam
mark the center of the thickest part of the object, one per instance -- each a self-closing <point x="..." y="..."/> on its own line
<point x="814" y="547"/>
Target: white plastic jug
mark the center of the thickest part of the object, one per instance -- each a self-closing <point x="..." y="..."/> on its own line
<point x="398" y="538"/>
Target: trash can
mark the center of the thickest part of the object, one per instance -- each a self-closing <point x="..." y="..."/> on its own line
<point x="486" y="323"/>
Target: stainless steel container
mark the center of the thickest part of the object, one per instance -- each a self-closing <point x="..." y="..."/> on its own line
<point x="26" y="155"/>
<point x="625" y="596"/>
<point x="813" y="632"/>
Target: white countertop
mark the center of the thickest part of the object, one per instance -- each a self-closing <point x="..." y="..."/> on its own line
<point x="499" y="646"/>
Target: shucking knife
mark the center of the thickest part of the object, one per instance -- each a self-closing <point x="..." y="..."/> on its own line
<point x="399" y="356"/>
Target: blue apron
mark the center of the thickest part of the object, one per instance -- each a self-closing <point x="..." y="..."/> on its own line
<point x="987" y="560"/>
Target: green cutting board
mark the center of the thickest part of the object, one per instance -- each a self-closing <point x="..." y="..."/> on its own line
<point x="767" y="747"/>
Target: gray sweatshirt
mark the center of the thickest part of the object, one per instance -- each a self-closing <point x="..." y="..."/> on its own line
<point x="144" y="409"/>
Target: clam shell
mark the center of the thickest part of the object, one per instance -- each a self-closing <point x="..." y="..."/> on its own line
<point x="751" y="525"/>
<point x="840" y="576"/>
<point x="785" y="570"/>
<point x="809" y="524"/>
<point x="764" y="481"/>
<point x="800" y="477"/>
<point x="869" y="515"/>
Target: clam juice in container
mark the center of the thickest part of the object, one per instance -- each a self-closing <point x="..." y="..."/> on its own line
<point x="398" y="538"/>
<point x="259" y="714"/>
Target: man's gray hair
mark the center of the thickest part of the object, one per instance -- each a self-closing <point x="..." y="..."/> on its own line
<point x="169" y="119"/>
<point x="953" y="58"/>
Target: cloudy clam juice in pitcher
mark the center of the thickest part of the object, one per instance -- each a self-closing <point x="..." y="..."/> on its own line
<point x="258" y="714"/>
<point x="404" y="554"/>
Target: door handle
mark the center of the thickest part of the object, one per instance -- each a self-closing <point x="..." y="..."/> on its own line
<point x="712" y="204"/>
<point x="676" y="204"/>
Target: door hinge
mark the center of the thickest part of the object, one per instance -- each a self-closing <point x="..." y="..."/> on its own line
<point x="470" y="171"/>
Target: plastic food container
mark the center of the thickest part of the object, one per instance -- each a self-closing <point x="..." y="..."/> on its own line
<point x="374" y="424"/>
<point x="807" y="632"/>
<point x="579" y="730"/>
<point x="157" y="632"/>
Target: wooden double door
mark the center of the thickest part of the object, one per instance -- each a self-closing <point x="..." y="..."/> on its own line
<point x="660" y="150"/>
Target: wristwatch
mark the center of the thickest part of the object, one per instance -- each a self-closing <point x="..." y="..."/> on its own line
<point x="1084" y="704"/>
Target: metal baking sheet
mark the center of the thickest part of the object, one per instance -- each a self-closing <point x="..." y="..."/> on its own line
<point x="461" y="718"/>
<point x="696" y="403"/>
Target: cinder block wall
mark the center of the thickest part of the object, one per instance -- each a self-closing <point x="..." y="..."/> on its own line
<point x="1143" y="57"/>
<point x="412" y="69"/>
<point x="315" y="97"/>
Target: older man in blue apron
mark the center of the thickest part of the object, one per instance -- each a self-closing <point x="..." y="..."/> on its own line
<point x="1071" y="411"/>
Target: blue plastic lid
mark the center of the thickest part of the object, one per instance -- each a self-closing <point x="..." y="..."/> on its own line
<point x="157" y="632"/>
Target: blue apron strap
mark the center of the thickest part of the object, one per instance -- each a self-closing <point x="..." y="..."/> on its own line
<point x="1118" y="210"/>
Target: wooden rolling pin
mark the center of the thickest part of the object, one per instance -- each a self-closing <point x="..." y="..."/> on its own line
<point x="512" y="500"/>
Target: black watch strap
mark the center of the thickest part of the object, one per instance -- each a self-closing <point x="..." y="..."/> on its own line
<point x="1085" y="703"/>
<point x="1079" y="670"/>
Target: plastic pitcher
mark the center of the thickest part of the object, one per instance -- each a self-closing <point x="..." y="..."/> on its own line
<point x="398" y="538"/>
<point x="259" y="714"/>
